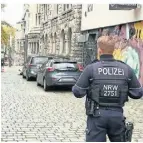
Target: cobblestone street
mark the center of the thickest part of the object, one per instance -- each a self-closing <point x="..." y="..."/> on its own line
<point x="28" y="113"/>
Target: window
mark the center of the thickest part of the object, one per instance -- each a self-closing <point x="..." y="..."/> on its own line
<point x="90" y="7"/>
<point x="64" y="7"/>
<point x="38" y="60"/>
<point x="49" y="9"/>
<point x="36" y="19"/>
<point x="65" y="65"/>
<point x="57" y="8"/>
<point x="67" y="6"/>
<point x="37" y="8"/>
<point x="44" y="11"/>
<point x="39" y="20"/>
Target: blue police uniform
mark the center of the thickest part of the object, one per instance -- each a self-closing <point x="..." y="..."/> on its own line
<point x="112" y="82"/>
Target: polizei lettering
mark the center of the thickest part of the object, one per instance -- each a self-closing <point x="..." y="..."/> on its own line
<point x="111" y="71"/>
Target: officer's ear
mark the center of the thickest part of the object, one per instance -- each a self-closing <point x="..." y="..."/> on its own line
<point x="99" y="51"/>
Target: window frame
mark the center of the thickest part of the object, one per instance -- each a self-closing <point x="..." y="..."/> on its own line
<point x="89" y="7"/>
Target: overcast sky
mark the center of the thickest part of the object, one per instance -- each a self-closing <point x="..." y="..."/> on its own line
<point x="13" y="13"/>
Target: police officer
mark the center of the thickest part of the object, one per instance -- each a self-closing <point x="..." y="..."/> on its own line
<point x="107" y="83"/>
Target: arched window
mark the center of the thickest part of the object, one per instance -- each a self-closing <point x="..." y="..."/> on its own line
<point x="18" y="46"/>
<point x="69" y="40"/>
<point x="45" y="41"/>
<point x="62" y="41"/>
<point x="55" y="41"/>
<point x="51" y="43"/>
<point x="37" y="47"/>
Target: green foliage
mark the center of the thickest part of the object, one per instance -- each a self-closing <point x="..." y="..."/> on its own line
<point x="6" y="30"/>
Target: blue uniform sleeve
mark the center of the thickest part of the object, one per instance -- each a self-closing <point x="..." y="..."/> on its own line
<point x="81" y="86"/>
<point x="135" y="89"/>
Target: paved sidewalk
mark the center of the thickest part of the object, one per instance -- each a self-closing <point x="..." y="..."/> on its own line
<point x="28" y="113"/>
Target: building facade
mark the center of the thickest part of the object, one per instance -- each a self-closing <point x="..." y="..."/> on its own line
<point x="19" y="44"/>
<point x="19" y="38"/>
<point x="61" y="24"/>
<point x="126" y="23"/>
<point x="34" y="29"/>
<point x="31" y="29"/>
<point x="52" y="29"/>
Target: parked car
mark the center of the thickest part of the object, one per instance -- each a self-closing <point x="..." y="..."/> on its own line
<point x="58" y="72"/>
<point x="30" y="68"/>
<point x="6" y="63"/>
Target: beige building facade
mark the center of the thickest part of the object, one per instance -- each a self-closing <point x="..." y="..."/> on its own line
<point x="53" y="29"/>
<point x="19" y="38"/>
<point x="33" y="28"/>
<point x="19" y="44"/>
<point x="61" y="30"/>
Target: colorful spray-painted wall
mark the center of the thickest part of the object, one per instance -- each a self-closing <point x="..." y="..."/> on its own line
<point x="129" y="51"/>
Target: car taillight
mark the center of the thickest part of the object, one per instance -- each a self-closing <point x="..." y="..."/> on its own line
<point x="80" y="67"/>
<point x="29" y="65"/>
<point x="50" y="69"/>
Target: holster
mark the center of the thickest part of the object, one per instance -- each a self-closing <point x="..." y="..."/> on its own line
<point x="128" y="131"/>
<point x="89" y="105"/>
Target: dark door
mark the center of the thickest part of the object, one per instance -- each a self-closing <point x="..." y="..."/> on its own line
<point x="89" y="50"/>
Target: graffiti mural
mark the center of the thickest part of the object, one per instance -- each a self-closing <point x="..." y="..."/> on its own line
<point x="129" y="51"/>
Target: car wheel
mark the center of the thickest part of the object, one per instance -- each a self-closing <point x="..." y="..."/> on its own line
<point x="45" y="85"/>
<point x="27" y="77"/>
<point x="23" y="76"/>
<point x="37" y="82"/>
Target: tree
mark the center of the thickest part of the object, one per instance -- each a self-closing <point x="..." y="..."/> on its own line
<point x="3" y="6"/>
<point x="4" y="33"/>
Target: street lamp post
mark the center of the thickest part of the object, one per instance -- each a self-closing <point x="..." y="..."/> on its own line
<point x="25" y="47"/>
<point x="127" y="31"/>
<point x="10" y="50"/>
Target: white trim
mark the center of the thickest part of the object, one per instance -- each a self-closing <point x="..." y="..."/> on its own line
<point x="136" y="88"/>
<point x="81" y="87"/>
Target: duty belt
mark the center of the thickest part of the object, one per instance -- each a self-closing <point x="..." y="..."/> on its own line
<point x="111" y="108"/>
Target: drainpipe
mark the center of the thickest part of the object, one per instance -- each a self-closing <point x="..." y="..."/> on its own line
<point x="127" y="31"/>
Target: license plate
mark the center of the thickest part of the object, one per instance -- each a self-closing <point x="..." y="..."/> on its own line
<point x="67" y="80"/>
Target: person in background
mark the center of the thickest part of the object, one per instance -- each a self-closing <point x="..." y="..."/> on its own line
<point x="2" y="64"/>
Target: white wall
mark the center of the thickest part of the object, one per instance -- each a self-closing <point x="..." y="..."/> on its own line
<point x="19" y="32"/>
<point x="101" y="16"/>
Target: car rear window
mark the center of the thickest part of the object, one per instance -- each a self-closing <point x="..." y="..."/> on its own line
<point x="39" y="60"/>
<point x="65" y="65"/>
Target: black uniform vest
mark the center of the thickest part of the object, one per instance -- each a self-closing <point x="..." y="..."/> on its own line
<point x="110" y="83"/>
